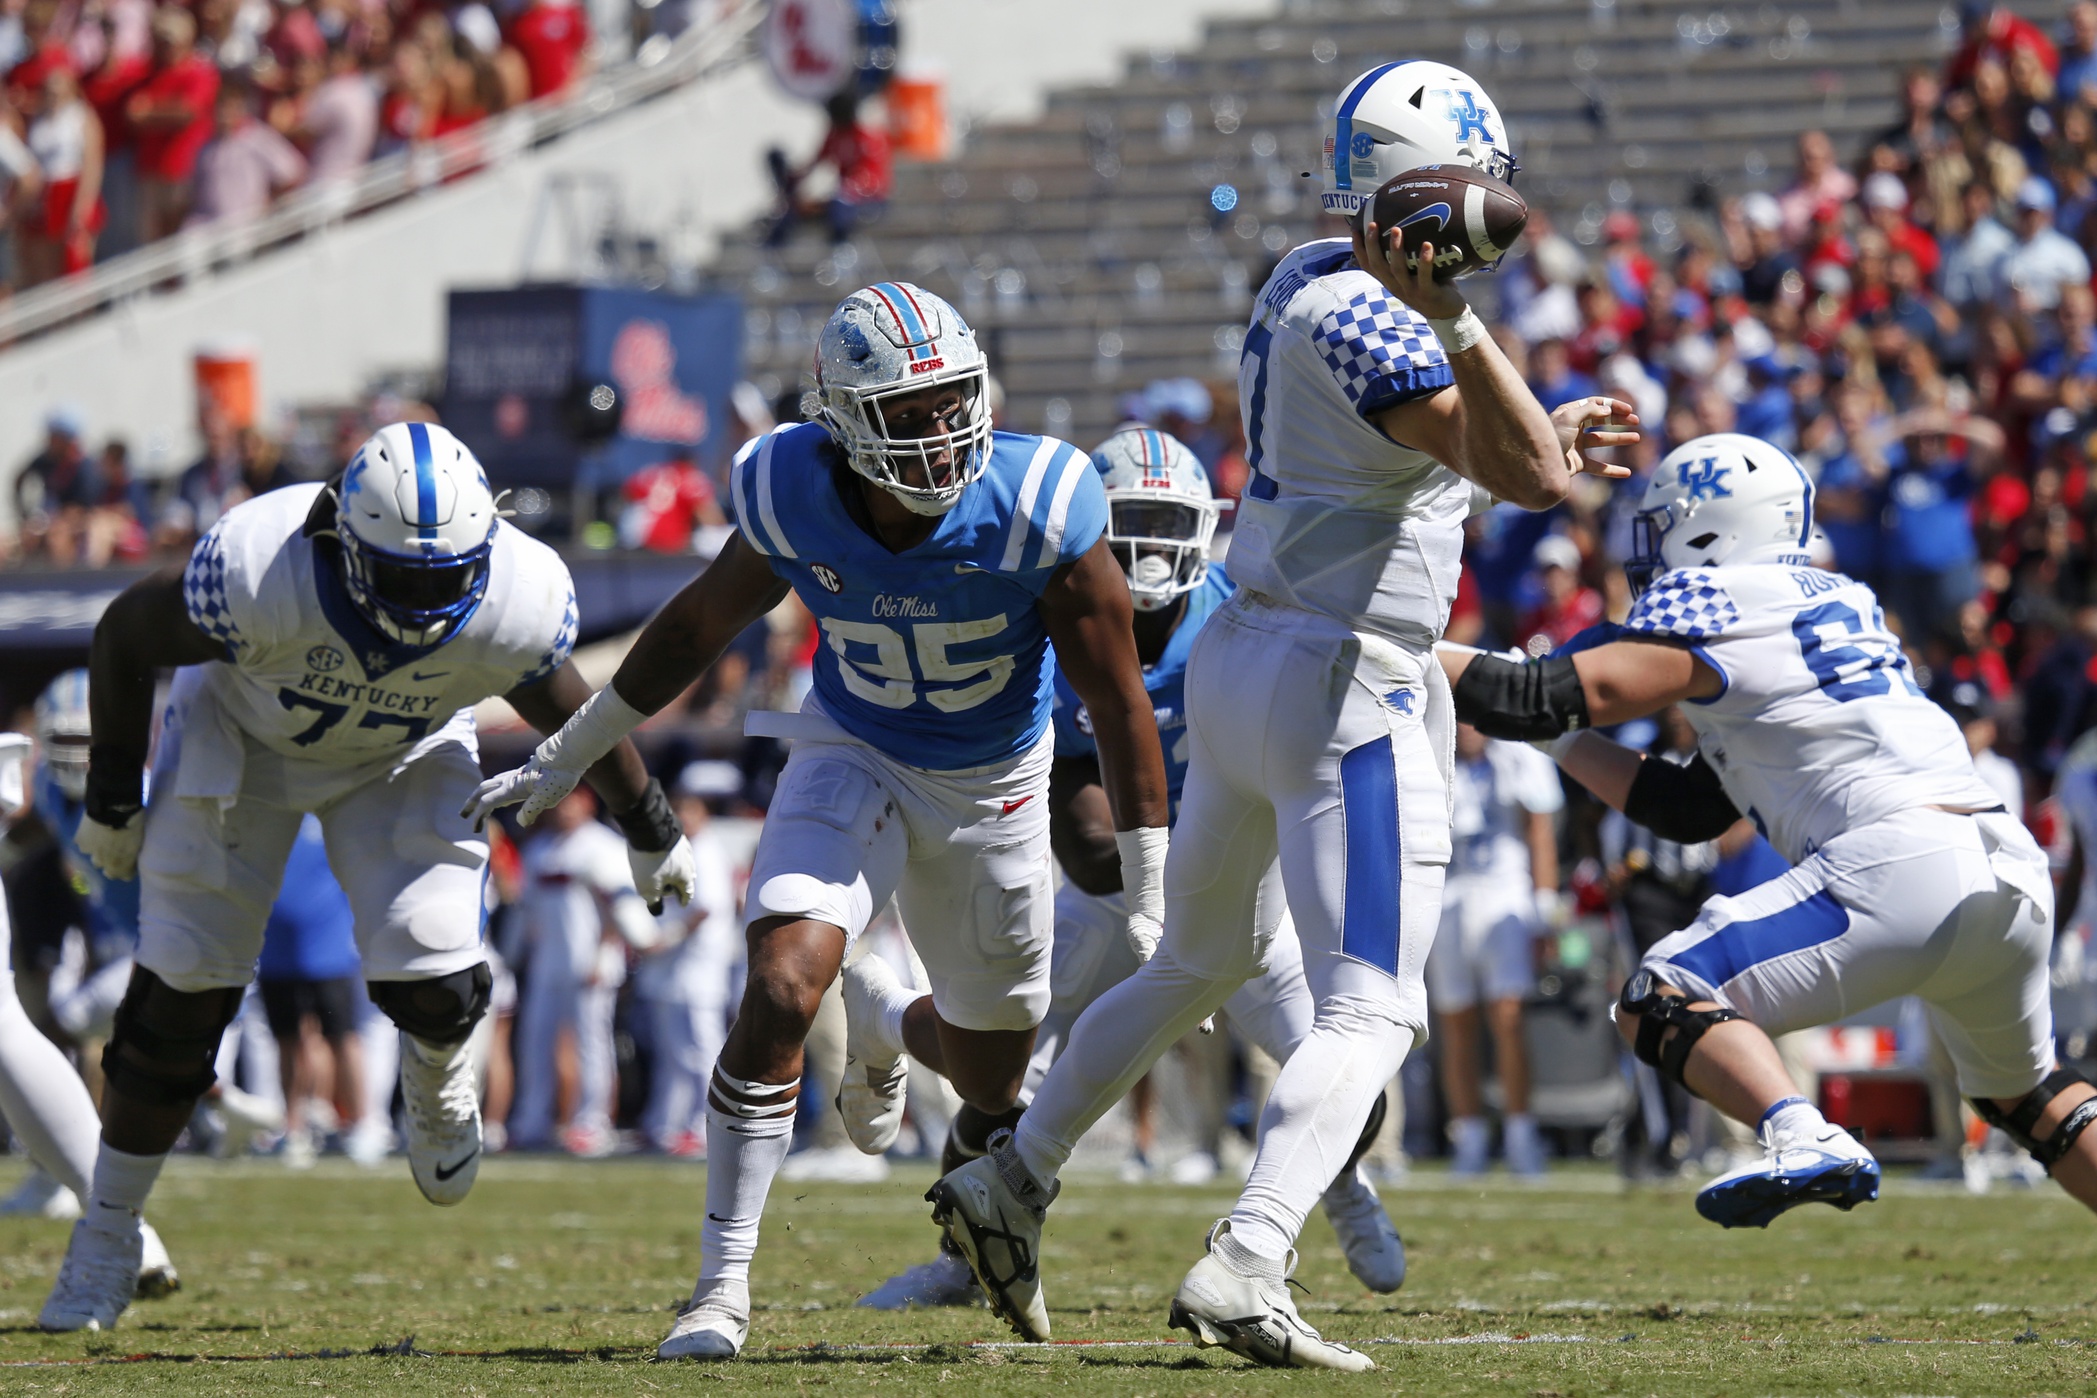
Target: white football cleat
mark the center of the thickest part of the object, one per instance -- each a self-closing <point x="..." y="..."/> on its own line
<point x="1254" y="1318"/>
<point x="1375" y="1253"/>
<point x="944" y="1281"/>
<point x="992" y="1211"/>
<point x="242" y="1117"/>
<point x="157" y="1277"/>
<point x="714" y="1324"/>
<point x="100" y="1273"/>
<point x="444" y="1118"/>
<point x="870" y="1095"/>
<point x="1825" y="1166"/>
<point x="40" y="1196"/>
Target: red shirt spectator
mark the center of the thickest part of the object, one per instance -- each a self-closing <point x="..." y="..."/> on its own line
<point x="861" y="157"/>
<point x="110" y="86"/>
<point x="551" y="35"/>
<point x="1992" y="31"/>
<point x="1568" y="607"/>
<point x="669" y="501"/>
<point x="172" y="109"/>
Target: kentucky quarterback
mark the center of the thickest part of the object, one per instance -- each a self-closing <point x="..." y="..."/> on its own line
<point x="1161" y="519"/>
<point x="1376" y="409"/>
<point x="333" y="641"/>
<point x="1908" y="877"/>
<point x="940" y="558"/>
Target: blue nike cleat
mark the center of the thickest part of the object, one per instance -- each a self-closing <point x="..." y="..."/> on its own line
<point x="1828" y="1167"/>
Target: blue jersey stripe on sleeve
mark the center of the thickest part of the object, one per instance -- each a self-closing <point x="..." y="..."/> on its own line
<point x="764" y="498"/>
<point x="1074" y="467"/>
<point x="739" y="496"/>
<point x="1030" y="487"/>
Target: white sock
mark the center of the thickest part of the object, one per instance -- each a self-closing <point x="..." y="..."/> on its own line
<point x="41" y="1096"/>
<point x="749" y="1129"/>
<point x="1470" y="1135"/>
<point x="1114" y="1043"/>
<point x="123" y="1180"/>
<point x="1314" y="1117"/>
<point x="893" y="1003"/>
<point x="1794" y="1116"/>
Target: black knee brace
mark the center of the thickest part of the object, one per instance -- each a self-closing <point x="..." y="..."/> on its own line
<point x="968" y="1135"/>
<point x="2018" y="1124"/>
<point x="440" y="1011"/>
<point x="165" y="1042"/>
<point x="1657" y="1013"/>
<point x="1377" y="1111"/>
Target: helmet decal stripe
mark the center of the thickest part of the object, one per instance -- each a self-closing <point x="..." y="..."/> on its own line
<point x="1343" y="128"/>
<point x="1153" y="449"/>
<point x="1805" y="528"/>
<point x="425" y="482"/>
<point x="903" y="306"/>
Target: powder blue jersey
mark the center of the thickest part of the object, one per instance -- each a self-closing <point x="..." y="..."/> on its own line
<point x="936" y="656"/>
<point x="1166" y="682"/>
<point x="112" y="904"/>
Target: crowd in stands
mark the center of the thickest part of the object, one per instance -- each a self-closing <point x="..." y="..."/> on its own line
<point x="123" y="121"/>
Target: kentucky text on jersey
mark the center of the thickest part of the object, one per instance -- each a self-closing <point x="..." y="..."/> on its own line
<point x="936" y="656"/>
<point x="307" y="676"/>
<point x="1166" y="683"/>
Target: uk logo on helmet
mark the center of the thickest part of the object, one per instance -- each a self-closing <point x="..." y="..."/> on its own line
<point x="1470" y="118"/>
<point x="1705" y="479"/>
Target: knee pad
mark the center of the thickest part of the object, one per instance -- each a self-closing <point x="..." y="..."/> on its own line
<point x="1657" y="1013"/>
<point x="2018" y="1124"/>
<point x="165" y="1043"/>
<point x="1378" y="1110"/>
<point x="440" y="1011"/>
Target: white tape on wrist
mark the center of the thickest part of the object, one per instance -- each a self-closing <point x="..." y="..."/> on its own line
<point x="594" y="730"/>
<point x="1459" y="332"/>
<point x="1143" y="870"/>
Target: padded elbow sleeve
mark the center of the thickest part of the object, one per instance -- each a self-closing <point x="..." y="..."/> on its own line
<point x="1680" y="802"/>
<point x="1523" y="702"/>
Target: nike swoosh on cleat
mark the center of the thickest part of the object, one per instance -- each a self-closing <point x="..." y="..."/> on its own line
<point x="445" y="1172"/>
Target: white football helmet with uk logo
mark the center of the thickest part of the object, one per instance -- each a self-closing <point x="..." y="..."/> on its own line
<point x="1721" y="499"/>
<point x="1161" y="515"/>
<point x="417" y="523"/>
<point x="887" y="342"/>
<point x="1399" y="116"/>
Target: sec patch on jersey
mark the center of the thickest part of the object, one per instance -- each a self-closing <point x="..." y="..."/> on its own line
<point x="1471" y="218"/>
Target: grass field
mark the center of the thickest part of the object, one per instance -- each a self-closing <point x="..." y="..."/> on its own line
<point x="559" y="1278"/>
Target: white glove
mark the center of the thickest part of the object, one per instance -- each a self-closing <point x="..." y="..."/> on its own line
<point x="558" y="764"/>
<point x="659" y="873"/>
<point x="113" y="848"/>
<point x="1143" y="885"/>
<point x="14" y="763"/>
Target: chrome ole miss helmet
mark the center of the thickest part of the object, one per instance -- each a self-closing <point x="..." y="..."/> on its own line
<point x="1399" y="116"/>
<point x="1721" y="499"/>
<point x="417" y="523"/>
<point x="63" y="730"/>
<point x="888" y="343"/>
<point x="1160" y="513"/>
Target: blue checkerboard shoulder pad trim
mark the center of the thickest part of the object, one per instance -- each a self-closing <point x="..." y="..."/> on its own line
<point x="557" y="654"/>
<point x="1374" y="337"/>
<point x="1686" y="604"/>
<point x="204" y="593"/>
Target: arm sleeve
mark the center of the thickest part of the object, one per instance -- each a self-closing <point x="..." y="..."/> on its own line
<point x="1380" y="353"/>
<point x="1683" y="803"/>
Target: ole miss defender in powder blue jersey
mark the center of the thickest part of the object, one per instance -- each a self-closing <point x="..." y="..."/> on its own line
<point x="941" y="560"/>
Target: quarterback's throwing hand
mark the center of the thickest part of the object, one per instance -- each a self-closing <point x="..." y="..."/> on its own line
<point x="659" y="873"/>
<point x="113" y="848"/>
<point x="538" y="787"/>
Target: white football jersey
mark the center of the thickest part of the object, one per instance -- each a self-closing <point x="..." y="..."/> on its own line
<point x="1494" y="797"/>
<point x="1337" y="518"/>
<point x="305" y="674"/>
<point x="1821" y="727"/>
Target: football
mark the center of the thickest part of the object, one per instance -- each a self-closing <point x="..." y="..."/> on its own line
<point x="1471" y="218"/>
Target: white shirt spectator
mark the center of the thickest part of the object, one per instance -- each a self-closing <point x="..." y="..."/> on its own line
<point x="1970" y="266"/>
<point x="342" y="117"/>
<point x="2037" y="268"/>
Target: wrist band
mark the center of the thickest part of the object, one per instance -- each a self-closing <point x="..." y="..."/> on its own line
<point x="1143" y="869"/>
<point x="650" y="826"/>
<point x="1458" y="332"/>
<point x="591" y="732"/>
<point x="116" y="785"/>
